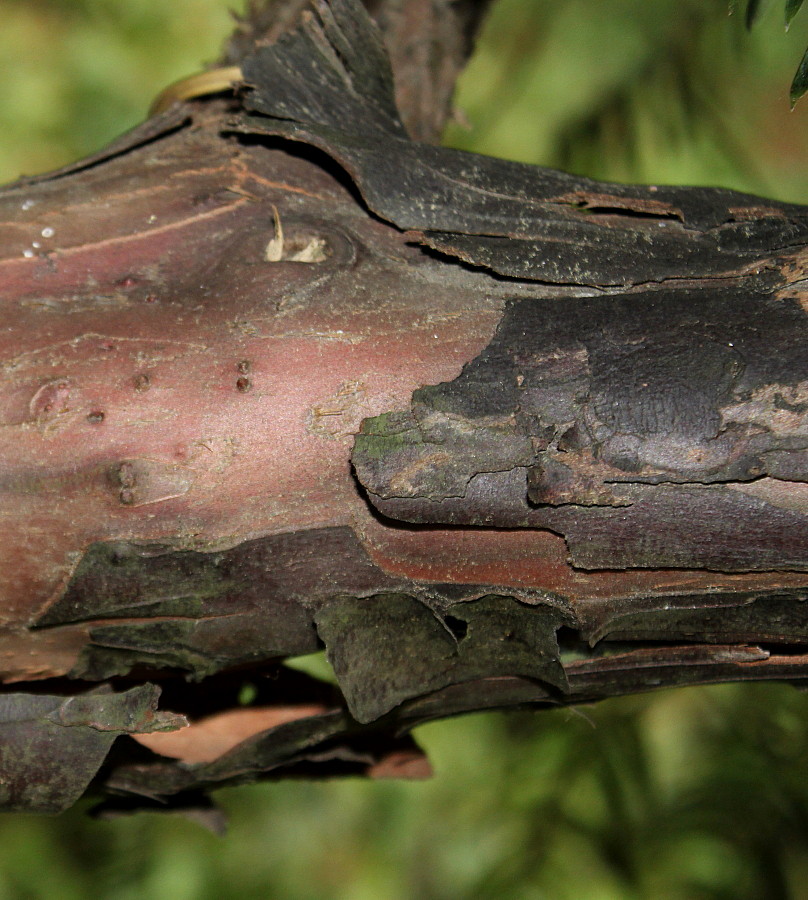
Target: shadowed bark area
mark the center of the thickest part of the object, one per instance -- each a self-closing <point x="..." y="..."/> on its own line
<point x="276" y="377"/>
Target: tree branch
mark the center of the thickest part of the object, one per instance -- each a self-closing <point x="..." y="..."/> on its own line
<point x="277" y="377"/>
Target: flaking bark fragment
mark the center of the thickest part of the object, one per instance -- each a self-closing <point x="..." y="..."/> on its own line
<point x="776" y="617"/>
<point x="629" y="424"/>
<point x="391" y="648"/>
<point x="54" y="745"/>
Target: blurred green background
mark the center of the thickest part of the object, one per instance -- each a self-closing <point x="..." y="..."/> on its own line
<point x="698" y="793"/>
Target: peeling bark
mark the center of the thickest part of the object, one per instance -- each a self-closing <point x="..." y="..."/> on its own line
<point x="276" y="377"/>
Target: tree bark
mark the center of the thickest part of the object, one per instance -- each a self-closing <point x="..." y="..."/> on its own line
<point x="277" y="377"/>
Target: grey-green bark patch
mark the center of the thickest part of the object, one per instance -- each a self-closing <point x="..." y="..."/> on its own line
<point x="117" y="649"/>
<point x="390" y="648"/>
<point x="198" y="648"/>
<point x="119" y="580"/>
<point x="52" y="746"/>
<point x="434" y="455"/>
<point x="151" y="608"/>
<point x="388" y="433"/>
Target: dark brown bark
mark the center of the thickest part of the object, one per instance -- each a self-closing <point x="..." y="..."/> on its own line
<point x="276" y="377"/>
<point x="428" y="42"/>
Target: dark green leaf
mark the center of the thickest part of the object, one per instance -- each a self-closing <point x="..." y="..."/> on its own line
<point x="792" y="8"/>
<point x="753" y="10"/>
<point x="800" y="83"/>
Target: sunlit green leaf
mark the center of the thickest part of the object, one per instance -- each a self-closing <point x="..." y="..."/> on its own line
<point x="800" y="83"/>
<point x="792" y="8"/>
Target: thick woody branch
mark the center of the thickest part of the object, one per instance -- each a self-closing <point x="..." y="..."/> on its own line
<point x="277" y="378"/>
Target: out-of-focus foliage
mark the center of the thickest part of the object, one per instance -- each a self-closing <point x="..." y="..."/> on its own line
<point x="667" y="91"/>
<point x="690" y="794"/>
<point x="792" y="8"/>
<point x="698" y="793"/>
<point x="800" y="83"/>
<point x="76" y="73"/>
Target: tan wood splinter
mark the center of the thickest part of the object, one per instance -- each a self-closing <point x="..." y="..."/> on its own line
<point x="199" y="85"/>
